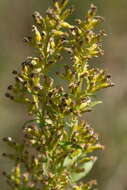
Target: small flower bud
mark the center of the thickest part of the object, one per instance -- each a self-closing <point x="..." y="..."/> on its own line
<point x="14" y="72"/>
<point x="10" y="87"/>
<point x="7" y="95"/>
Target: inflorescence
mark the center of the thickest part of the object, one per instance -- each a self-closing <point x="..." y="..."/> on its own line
<point x="56" y="149"/>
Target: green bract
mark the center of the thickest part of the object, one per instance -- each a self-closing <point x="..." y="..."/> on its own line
<point x="55" y="152"/>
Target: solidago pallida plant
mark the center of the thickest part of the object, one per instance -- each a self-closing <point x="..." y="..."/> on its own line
<point x="55" y="152"/>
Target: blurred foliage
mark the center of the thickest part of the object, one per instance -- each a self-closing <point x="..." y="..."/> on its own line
<point x="110" y="118"/>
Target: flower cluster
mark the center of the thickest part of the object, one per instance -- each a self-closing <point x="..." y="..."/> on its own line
<point x="57" y="145"/>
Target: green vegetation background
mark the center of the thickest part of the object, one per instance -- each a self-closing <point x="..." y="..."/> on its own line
<point x="109" y="119"/>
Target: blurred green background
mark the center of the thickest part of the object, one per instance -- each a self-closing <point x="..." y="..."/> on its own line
<point x="109" y="119"/>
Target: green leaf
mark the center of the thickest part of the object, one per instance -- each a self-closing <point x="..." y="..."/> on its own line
<point x="92" y="104"/>
<point x="85" y="169"/>
<point x="69" y="160"/>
